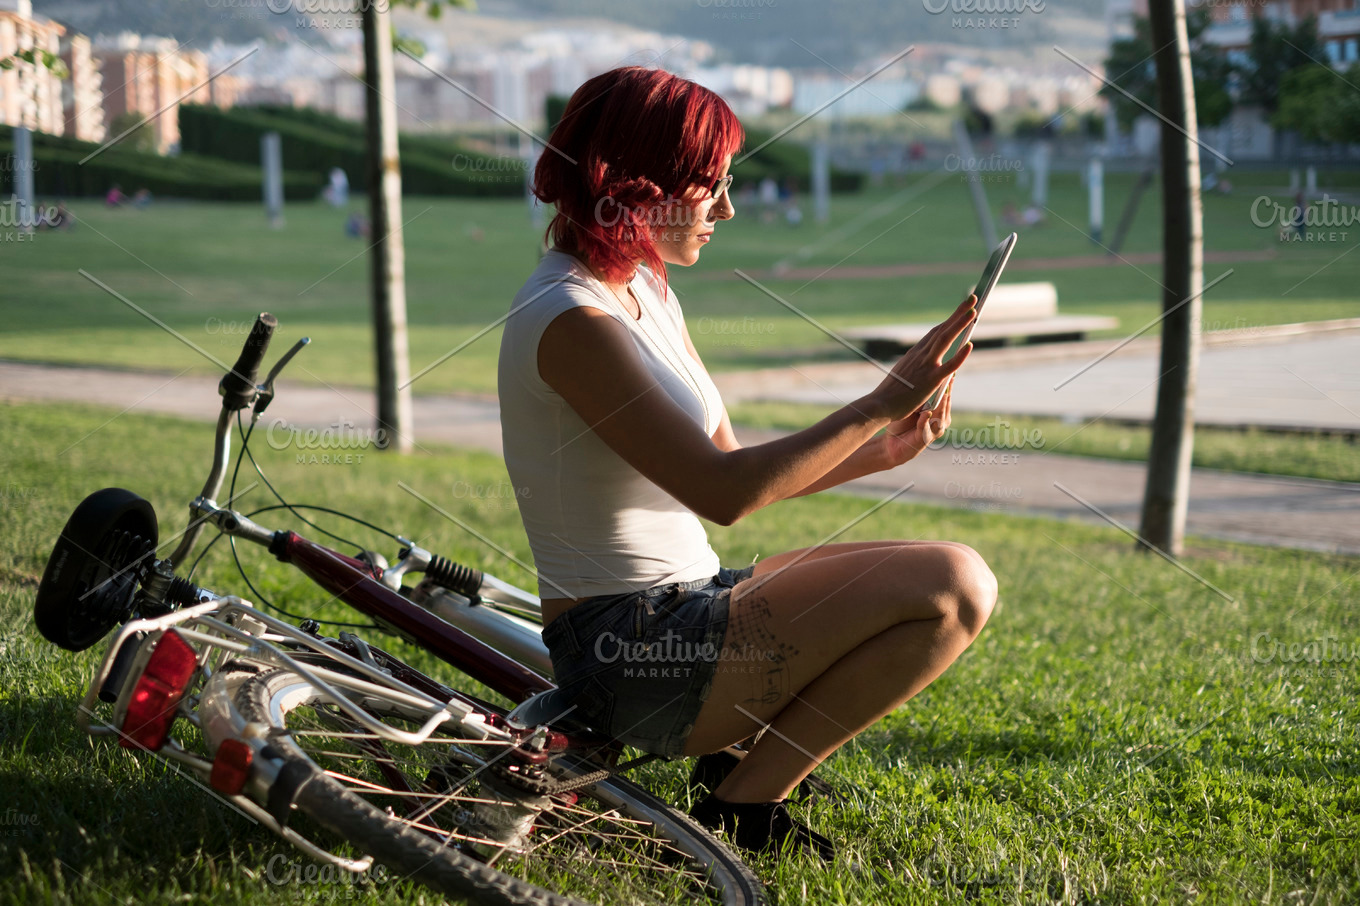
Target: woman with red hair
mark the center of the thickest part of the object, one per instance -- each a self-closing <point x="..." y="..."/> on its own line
<point x="615" y="437"/>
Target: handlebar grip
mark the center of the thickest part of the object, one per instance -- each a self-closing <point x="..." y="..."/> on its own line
<point x="122" y="662"/>
<point x="238" y="385"/>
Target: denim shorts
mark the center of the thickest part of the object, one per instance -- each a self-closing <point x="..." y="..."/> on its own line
<point x="639" y="665"/>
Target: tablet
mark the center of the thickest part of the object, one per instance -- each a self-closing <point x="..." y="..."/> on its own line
<point x="990" y="274"/>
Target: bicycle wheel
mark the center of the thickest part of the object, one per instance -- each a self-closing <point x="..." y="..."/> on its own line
<point x="459" y="816"/>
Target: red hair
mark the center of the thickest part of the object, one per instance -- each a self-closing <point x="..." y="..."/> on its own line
<point x="640" y="138"/>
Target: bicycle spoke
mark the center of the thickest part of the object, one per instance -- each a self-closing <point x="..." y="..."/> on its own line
<point x="472" y="795"/>
<point x="549" y="840"/>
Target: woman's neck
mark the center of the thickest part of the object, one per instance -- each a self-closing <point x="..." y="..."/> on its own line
<point x="621" y="291"/>
<point x="585" y="262"/>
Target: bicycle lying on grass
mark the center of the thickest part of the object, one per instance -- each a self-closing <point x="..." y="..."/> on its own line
<point x="332" y="739"/>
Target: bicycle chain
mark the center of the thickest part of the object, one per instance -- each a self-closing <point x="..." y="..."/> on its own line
<point x="567" y="786"/>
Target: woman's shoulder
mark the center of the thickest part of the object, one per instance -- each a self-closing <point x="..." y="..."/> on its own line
<point x="559" y="281"/>
<point x="556" y="269"/>
<point x="558" y="284"/>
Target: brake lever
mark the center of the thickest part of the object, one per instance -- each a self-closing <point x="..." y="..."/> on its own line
<point x="266" y="393"/>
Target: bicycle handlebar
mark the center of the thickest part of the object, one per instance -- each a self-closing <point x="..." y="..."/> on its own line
<point x="238" y="391"/>
<point x="238" y="385"/>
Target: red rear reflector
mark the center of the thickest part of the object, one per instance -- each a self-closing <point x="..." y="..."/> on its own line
<point x="231" y="767"/>
<point x="155" y="698"/>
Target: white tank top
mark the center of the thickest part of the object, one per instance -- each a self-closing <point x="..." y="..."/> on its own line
<point x="595" y="524"/>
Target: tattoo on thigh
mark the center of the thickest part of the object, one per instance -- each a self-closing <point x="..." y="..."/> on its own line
<point x="764" y="657"/>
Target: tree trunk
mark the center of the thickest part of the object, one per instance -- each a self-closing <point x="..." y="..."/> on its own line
<point x="1168" y="476"/>
<point x="388" y="255"/>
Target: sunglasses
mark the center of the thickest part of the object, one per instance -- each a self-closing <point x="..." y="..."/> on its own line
<point x="716" y="189"/>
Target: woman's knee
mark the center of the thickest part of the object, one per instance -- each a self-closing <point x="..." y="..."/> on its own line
<point x="966" y="550"/>
<point x="972" y="587"/>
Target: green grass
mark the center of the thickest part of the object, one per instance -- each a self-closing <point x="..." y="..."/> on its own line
<point x="1119" y="733"/>
<point x="1332" y="457"/>
<point x="203" y="269"/>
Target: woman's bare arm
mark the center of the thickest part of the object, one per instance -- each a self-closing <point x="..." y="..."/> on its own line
<point x="612" y="391"/>
<point x="877" y="454"/>
<point x="868" y="458"/>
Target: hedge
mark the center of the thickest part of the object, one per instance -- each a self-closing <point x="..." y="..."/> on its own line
<point x="417" y="144"/>
<point x="315" y="142"/>
<point x="60" y="173"/>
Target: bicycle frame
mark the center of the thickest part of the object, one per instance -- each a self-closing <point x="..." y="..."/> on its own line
<point x="371" y="590"/>
<point x="354" y="582"/>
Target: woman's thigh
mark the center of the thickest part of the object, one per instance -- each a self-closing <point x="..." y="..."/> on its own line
<point x="790" y="622"/>
<point x="809" y="554"/>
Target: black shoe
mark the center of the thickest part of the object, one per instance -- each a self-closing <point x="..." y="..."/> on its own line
<point x="762" y="827"/>
<point x="710" y="770"/>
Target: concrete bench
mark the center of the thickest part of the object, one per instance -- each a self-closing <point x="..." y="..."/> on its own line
<point x="1015" y="313"/>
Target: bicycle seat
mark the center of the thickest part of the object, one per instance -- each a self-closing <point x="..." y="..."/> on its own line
<point x="553" y="708"/>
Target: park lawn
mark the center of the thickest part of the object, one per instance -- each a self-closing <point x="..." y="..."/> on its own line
<point x="1326" y="456"/>
<point x="1121" y="732"/>
<point x="205" y="270"/>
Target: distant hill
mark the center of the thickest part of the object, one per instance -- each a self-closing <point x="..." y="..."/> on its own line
<point x="192" y="22"/>
<point x="842" y="32"/>
<point x="795" y="33"/>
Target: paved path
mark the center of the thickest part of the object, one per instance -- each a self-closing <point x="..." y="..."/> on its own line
<point x="1289" y="512"/>
<point x="1266" y="376"/>
<point x="1279" y="511"/>
<point x="785" y="269"/>
<point x="930" y="268"/>
<point x="461" y="421"/>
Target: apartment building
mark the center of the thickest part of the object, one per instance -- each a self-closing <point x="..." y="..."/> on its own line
<point x="150" y="77"/>
<point x="30" y="93"/>
<point x="1338" y="25"/>
<point x="82" y="99"/>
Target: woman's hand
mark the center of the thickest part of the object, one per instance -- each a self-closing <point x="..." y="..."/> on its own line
<point x="907" y="437"/>
<point x="920" y="371"/>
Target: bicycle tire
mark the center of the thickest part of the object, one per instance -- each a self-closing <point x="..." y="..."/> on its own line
<point x="91" y="578"/>
<point x="462" y="870"/>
